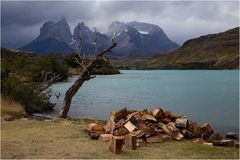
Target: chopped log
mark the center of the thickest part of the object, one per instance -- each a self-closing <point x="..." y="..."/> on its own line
<point x="151" y="132"/>
<point x="145" y="111"/>
<point x="98" y="127"/>
<point x="105" y="137"/>
<point x="121" y="122"/>
<point x="167" y="113"/>
<point x="130" y="141"/>
<point x="160" y="125"/>
<point x="155" y="139"/>
<point x="231" y="135"/>
<point x="148" y="117"/>
<point x="94" y="135"/>
<point x="174" y="132"/>
<point x="178" y="137"/>
<point x="198" y="140"/>
<point x="107" y="127"/>
<point x="141" y="142"/>
<point x="187" y="134"/>
<point x="116" y="144"/>
<point x="133" y="117"/>
<point x="159" y="130"/>
<point x="89" y="127"/>
<point x="206" y="130"/>
<point x="129" y="126"/>
<point x="208" y="143"/>
<point x="121" y="114"/>
<point x="181" y="122"/>
<point x="166" y="120"/>
<point x="192" y="126"/>
<point x="158" y="113"/>
<point x="112" y="125"/>
<point x="166" y="137"/>
<point x="172" y="129"/>
<point x="94" y="127"/>
<point x="215" y="137"/>
<point x="224" y="142"/>
<point x="165" y="129"/>
<point x="120" y="131"/>
<point x="140" y="125"/>
<point x="136" y="133"/>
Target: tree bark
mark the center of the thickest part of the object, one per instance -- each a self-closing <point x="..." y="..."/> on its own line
<point x="86" y="75"/>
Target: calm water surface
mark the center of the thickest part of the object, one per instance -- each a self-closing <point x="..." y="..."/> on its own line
<point x="203" y="96"/>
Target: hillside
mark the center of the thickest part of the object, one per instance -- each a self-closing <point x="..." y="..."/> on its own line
<point x="213" y="51"/>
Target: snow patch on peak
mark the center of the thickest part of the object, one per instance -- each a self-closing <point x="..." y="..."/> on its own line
<point x="143" y="32"/>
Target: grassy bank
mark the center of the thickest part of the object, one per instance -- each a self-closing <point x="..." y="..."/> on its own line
<point x="65" y="139"/>
<point x="11" y="108"/>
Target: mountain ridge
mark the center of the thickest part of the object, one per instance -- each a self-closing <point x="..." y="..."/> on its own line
<point x="131" y="40"/>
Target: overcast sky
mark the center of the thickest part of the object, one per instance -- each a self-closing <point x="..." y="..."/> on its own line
<point x="21" y="21"/>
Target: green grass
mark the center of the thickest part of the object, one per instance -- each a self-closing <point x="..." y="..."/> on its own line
<point x="66" y="139"/>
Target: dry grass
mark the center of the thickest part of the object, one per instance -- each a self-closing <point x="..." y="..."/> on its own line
<point x="66" y="139"/>
<point x="12" y="108"/>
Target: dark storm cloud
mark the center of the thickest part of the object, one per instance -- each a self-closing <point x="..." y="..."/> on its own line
<point x="21" y="20"/>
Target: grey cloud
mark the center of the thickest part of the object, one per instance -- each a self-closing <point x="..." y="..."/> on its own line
<point x="21" y="20"/>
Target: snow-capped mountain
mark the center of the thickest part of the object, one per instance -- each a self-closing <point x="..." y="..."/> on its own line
<point x="133" y="38"/>
<point x="92" y="41"/>
<point x="140" y="38"/>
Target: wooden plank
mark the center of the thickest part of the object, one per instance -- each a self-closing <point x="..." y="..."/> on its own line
<point x="130" y="141"/>
<point x="105" y="137"/>
<point x="129" y="126"/>
<point x="116" y="144"/>
<point x="155" y="139"/>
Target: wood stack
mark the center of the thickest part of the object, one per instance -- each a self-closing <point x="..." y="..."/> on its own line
<point x="135" y="129"/>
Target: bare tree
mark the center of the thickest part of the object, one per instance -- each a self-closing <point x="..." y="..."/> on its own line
<point x="85" y="75"/>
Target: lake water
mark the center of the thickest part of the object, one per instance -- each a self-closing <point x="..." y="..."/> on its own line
<point x="203" y="96"/>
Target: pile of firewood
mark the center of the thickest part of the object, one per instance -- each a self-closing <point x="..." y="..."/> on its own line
<point x="135" y="129"/>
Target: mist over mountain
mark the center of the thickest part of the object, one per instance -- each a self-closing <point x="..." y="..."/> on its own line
<point x="54" y="37"/>
<point x="133" y="38"/>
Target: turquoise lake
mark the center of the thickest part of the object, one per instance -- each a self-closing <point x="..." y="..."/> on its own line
<point x="202" y="95"/>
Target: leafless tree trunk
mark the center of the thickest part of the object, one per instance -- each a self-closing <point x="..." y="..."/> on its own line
<point x="85" y="76"/>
